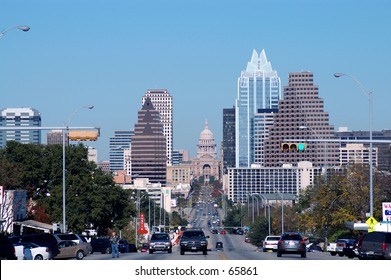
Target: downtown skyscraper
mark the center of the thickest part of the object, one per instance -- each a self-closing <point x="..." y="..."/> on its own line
<point x="162" y="102"/>
<point x="301" y="115"/>
<point x="148" y="148"/>
<point x="259" y="87"/>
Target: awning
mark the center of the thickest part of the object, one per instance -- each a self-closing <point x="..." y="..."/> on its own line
<point x="34" y="224"/>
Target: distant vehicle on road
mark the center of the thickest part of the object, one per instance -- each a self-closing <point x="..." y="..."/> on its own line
<point x="193" y="240"/>
<point x="291" y="243"/>
<point x="219" y="246"/>
<point x="160" y="242"/>
<point x="270" y="243"/>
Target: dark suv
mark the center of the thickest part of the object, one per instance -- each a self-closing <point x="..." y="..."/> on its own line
<point x="291" y="243"/>
<point x="101" y="244"/>
<point x="194" y="240"/>
<point x="375" y="245"/>
<point x="160" y="241"/>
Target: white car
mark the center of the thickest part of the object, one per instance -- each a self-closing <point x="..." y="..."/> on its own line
<point x="271" y="242"/>
<point x="33" y="251"/>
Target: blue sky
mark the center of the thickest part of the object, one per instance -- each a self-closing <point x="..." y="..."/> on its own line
<point x="108" y="53"/>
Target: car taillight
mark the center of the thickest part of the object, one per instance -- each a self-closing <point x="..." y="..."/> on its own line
<point x="302" y="242"/>
<point x="384" y="246"/>
<point x="281" y="241"/>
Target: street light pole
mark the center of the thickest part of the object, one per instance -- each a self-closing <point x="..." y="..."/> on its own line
<point x="63" y="164"/>
<point x="369" y="94"/>
<point x="282" y="209"/>
<point x="21" y="27"/>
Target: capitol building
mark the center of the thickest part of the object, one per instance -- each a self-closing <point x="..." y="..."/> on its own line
<point x="206" y="164"/>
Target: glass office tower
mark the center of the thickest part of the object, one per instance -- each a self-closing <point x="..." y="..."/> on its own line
<point x="259" y="87"/>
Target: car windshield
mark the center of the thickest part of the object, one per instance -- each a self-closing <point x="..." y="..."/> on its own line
<point x="191" y="234"/>
<point x="160" y="237"/>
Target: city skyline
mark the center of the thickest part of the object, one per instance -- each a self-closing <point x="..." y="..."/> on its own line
<point x="108" y="55"/>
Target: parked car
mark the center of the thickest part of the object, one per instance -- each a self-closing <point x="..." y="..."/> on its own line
<point x="101" y="244"/>
<point x="32" y="251"/>
<point x="291" y="243"/>
<point x="223" y="231"/>
<point x="247" y="239"/>
<point x="343" y="243"/>
<point x="71" y="249"/>
<point x="125" y="247"/>
<point x="311" y="247"/>
<point x="193" y="240"/>
<point x="375" y="245"/>
<point x="270" y="243"/>
<point x="74" y="237"/>
<point x="352" y="251"/>
<point x="160" y="241"/>
<point x="41" y="239"/>
<point x="7" y="249"/>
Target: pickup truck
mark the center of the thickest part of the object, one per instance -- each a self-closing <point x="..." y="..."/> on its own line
<point x="337" y="247"/>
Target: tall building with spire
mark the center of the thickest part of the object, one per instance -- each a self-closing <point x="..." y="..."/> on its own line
<point x="162" y="102"/>
<point x="206" y="164"/>
<point x="301" y="115"/>
<point x="259" y="87"/>
<point x="148" y="148"/>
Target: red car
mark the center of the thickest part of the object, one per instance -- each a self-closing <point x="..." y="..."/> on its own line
<point x="145" y="247"/>
<point x="223" y="232"/>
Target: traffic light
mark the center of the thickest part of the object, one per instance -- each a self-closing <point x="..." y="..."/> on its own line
<point x="79" y="135"/>
<point x="293" y="146"/>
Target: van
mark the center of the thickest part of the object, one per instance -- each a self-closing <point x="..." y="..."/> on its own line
<point x="375" y="245"/>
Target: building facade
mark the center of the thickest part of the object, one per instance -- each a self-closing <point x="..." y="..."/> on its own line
<point x="19" y="118"/>
<point x="381" y="151"/>
<point x="274" y="183"/>
<point x="259" y="87"/>
<point x="206" y="164"/>
<point x="262" y="121"/>
<point x="228" y="143"/>
<point x="162" y="102"/>
<point x="301" y="116"/>
<point x="148" y="149"/>
<point x="117" y="145"/>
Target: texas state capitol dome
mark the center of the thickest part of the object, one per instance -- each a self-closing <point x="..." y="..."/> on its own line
<point x="206" y="163"/>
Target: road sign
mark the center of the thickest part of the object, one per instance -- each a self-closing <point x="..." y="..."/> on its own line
<point x="142" y="229"/>
<point x="371" y="222"/>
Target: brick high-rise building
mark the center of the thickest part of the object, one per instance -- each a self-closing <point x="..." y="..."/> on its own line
<point x="148" y="148"/>
<point x="301" y="115"/>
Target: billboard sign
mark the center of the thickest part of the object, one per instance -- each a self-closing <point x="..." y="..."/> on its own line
<point x="386" y="210"/>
